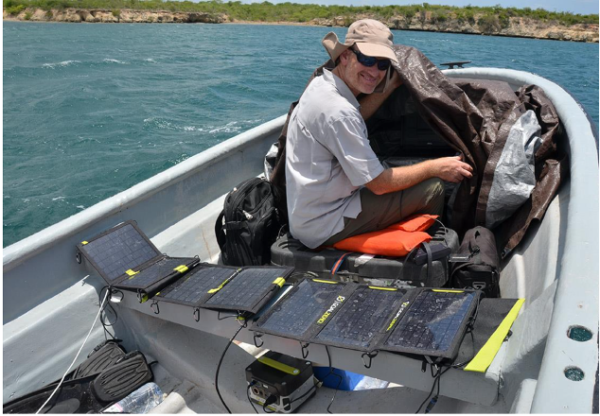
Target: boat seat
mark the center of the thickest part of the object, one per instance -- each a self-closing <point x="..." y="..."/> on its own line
<point x="359" y="267"/>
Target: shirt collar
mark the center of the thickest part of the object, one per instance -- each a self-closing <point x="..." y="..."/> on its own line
<point x="341" y="86"/>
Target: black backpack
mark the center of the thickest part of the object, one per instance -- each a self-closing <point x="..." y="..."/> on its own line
<point x="249" y="224"/>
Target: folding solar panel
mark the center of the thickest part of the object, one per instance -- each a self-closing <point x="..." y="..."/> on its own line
<point x="362" y="320"/>
<point x="249" y="289"/>
<point x="194" y="287"/>
<point x="433" y="324"/>
<point x="310" y="302"/>
<point x="127" y="259"/>
<point x="241" y="289"/>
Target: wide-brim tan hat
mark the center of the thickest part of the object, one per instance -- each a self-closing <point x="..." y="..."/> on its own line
<point x="371" y="38"/>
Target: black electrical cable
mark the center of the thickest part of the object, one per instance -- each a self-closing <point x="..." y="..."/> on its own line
<point x="435" y="381"/>
<point x="219" y="366"/>
<point x="460" y="365"/>
<point x="222" y="318"/>
<point x="307" y="274"/>
<point x="250" y="399"/>
<point x="269" y="401"/>
<point x="332" y="373"/>
<point x="434" y="399"/>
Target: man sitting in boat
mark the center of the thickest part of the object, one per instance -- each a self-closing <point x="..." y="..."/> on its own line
<point x="336" y="186"/>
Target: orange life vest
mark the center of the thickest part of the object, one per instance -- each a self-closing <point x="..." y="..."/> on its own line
<point x="395" y="241"/>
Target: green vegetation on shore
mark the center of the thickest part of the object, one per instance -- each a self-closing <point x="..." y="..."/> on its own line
<point x="292" y="12"/>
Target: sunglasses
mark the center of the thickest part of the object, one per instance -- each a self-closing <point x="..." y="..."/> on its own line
<point x="369" y="61"/>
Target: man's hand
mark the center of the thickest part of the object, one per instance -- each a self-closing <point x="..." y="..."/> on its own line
<point x="452" y="169"/>
<point x="395" y="81"/>
<point x="369" y="104"/>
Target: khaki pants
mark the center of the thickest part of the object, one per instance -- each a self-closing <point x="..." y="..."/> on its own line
<point x="381" y="211"/>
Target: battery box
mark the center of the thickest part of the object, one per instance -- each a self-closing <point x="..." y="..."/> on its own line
<point x="290" y="252"/>
<point x="284" y="382"/>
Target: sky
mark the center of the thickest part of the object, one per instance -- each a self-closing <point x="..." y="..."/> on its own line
<point x="572" y="6"/>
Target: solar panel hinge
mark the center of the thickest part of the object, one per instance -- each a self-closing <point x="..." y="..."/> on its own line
<point x="181" y="268"/>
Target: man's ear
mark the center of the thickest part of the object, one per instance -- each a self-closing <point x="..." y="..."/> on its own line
<point x="343" y="59"/>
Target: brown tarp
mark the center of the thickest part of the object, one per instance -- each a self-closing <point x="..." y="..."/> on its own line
<point x="475" y="120"/>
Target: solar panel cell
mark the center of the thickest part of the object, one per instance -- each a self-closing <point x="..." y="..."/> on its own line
<point x="362" y="318"/>
<point x="433" y="324"/>
<point x="246" y="289"/>
<point x="300" y="309"/>
<point x="119" y="250"/>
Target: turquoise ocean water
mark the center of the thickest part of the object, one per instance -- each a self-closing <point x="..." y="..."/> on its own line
<point x="93" y="109"/>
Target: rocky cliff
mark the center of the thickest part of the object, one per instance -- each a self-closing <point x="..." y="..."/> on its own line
<point x="115" y="16"/>
<point x="478" y="24"/>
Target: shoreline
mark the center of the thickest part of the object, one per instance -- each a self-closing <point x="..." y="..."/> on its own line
<point x="523" y="28"/>
<point x="500" y="35"/>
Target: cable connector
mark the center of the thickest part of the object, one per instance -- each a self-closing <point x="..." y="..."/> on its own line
<point x="270" y="400"/>
<point x="431" y="404"/>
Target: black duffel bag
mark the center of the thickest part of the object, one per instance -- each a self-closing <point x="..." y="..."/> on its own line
<point x="248" y="224"/>
<point x="476" y="265"/>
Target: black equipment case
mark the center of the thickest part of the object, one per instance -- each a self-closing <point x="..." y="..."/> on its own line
<point x="289" y="252"/>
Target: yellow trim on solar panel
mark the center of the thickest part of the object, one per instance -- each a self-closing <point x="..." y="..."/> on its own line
<point x="84" y="243"/>
<point x="391" y="324"/>
<point x="448" y="291"/>
<point x="391" y="289"/>
<point x="144" y="298"/>
<point x="402" y="307"/>
<point x="329" y="282"/>
<point x="181" y="269"/>
<point x="131" y="273"/>
<point x="216" y="289"/>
